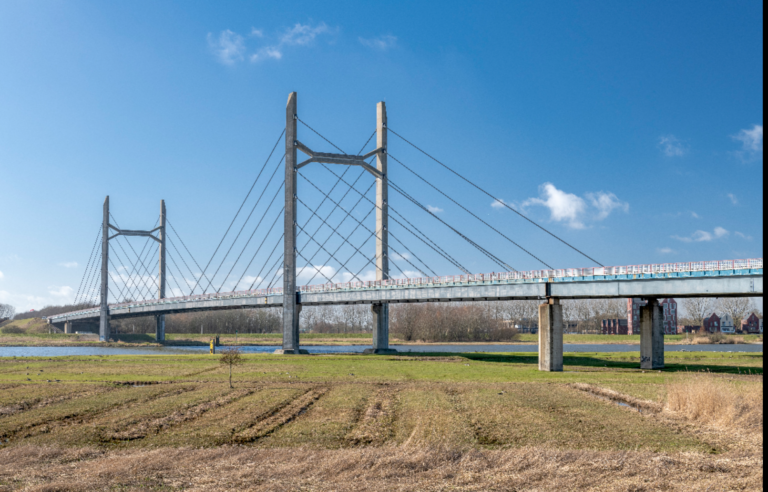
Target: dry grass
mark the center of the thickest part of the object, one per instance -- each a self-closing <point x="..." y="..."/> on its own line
<point x="371" y="468"/>
<point x="717" y="401"/>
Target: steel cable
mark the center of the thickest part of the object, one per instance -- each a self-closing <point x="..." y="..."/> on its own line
<point x="187" y="250"/>
<point x="468" y="211"/>
<point x="471" y="242"/>
<point x="353" y="218"/>
<point x="434" y="247"/>
<point x="252" y="234"/>
<point x="260" y="245"/>
<point x="265" y="263"/>
<point x="239" y="209"/>
<point x="88" y="265"/>
<point x="243" y="226"/>
<point x="494" y="198"/>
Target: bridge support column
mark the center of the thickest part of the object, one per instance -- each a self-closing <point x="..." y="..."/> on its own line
<point x="381" y="311"/>
<point x="160" y="320"/>
<point x="551" y="335"/>
<point x="68" y="327"/>
<point x="104" y="313"/>
<point x="651" y="335"/>
<point x="291" y="308"/>
<point x="380" y="330"/>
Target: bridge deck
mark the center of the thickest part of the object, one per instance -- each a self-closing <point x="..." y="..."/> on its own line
<point x="701" y="279"/>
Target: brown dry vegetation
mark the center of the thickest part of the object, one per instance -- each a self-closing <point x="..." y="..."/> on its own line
<point x="704" y="432"/>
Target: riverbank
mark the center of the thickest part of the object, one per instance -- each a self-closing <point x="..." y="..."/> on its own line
<point x="269" y="339"/>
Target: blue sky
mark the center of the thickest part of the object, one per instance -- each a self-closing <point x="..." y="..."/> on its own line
<point x="631" y="130"/>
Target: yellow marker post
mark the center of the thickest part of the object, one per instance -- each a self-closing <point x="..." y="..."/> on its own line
<point x="213" y="347"/>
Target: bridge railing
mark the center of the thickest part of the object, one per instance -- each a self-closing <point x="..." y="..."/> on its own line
<point x="610" y="271"/>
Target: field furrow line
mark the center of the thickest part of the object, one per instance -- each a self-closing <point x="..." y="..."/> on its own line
<point x="374" y="426"/>
<point x="280" y="416"/>
<point x="155" y="426"/>
<point x="75" y="417"/>
<point x="24" y="406"/>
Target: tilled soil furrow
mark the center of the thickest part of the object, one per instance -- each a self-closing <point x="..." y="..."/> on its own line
<point x="279" y="417"/>
<point x="75" y="417"/>
<point x="146" y="428"/>
<point x="375" y="424"/>
<point x="40" y="403"/>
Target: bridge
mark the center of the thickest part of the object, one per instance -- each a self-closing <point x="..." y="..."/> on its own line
<point x="141" y="293"/>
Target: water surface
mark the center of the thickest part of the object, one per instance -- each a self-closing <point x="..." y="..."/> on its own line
<point x="336" y="349"/>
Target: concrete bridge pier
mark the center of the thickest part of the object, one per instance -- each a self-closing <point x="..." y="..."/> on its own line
<point x="651" y="335"/>
<point x="69" y="327"/>
<point x="551" y="335"/>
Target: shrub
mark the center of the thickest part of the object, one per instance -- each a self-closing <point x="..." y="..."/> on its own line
<point x="712" y="400"/>
<point x="13" y="330"/>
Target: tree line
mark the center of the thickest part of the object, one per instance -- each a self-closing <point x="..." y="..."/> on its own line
<point x="437" y="322"/>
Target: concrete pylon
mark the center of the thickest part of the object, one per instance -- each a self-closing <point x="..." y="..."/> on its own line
<point x="291" y="308"/>
<point x="551" y="335"/>
<point x="104" y="311"/>
<point x="160" y="320"/>
<point x="381" y="311"/>
<point x="651" y="335"/>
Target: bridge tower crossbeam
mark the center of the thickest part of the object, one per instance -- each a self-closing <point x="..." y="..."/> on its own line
<point x="104" y="328"/>
<point x="292" y="298"/>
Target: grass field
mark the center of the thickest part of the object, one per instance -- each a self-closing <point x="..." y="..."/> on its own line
<point x="330" y="422"/>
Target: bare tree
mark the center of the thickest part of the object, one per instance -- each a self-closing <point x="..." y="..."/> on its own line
<point x="738" y="307"/>
<point x="7" y="311"/>
<point x="697" y="308"/>
<point x="230" y="357"/>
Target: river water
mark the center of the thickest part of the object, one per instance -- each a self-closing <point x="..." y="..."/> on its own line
<point x="337" y="349"/>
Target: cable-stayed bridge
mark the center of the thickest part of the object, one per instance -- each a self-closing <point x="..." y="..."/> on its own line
<point x="342" y="244"/>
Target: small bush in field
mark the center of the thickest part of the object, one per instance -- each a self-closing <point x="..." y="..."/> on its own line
<point x="230" y="357"/>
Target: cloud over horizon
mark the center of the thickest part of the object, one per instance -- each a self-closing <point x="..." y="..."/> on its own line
<point x="573" y="210"/>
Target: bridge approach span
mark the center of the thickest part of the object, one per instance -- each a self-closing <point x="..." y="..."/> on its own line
<point x="732" y="282"/>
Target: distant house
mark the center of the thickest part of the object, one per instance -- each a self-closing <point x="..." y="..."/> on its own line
<point x="669" y="309"/>
<point x="726" y="323"/>
<point x="633" y="315"/>
<point x="614" y="327"/>
<point x="752" y="324"/>
<point x="712" y="323"/>
<point x="722" y="323"/>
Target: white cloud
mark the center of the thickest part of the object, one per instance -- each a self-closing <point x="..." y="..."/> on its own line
<point x="743" y="236"/>
<point x="62" y="292"/>
<point x="606" y="203"/>
<point x="298" y="35"/>
<point x="562" y="206"/>
<point x="695" y="215"/>
<point x="665" y="251"/>
<point x="574" y="210"/>
<point x="751" y="140"/>
<point x="380" y="43"/>
<point x="671" y="146"/>
<point x="301" y="34"/>
<point x="69" y="264"/>
<point x="704" y="236"/>
<point x="498" y="203"/>
<point x="1" y="274"/>
<point x="733" y="198"/>
<point x="257" y="33"/>
<point x="229" y="47"/>
<point x="434" y="210"/>
<point x="267" y="52"/>
<point x="397" y="257"/>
